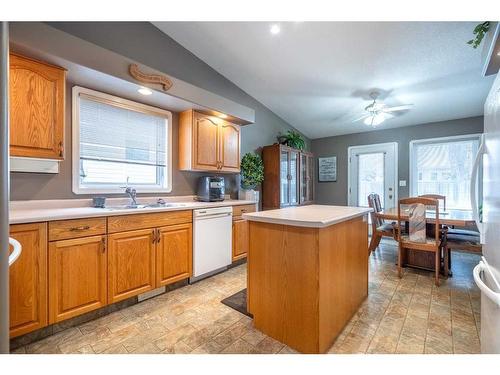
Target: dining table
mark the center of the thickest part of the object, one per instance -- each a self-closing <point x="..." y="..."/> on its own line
<point x="450" y="218"/>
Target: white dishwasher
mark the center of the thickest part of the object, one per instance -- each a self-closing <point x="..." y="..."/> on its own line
<point x="212" y="241"/>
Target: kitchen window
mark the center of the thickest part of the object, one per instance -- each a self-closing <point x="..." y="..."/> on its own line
<point x="443" y="166"/>
<point x="118" y="142"/>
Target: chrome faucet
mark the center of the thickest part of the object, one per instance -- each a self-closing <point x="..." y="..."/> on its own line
<point x="132" y="194"/>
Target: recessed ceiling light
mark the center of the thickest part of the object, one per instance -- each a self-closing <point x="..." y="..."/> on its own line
<point x="275" y="29"/>
<point x="498" y="53"/>
<point x="145" y="91"/>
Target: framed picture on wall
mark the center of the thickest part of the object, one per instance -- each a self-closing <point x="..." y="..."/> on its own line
<point x="327" y="169"/>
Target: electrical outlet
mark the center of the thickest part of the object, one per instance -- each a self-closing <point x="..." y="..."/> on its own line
<point x="402" y="182"/>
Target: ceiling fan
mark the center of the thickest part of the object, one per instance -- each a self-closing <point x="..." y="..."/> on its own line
<point x="377" y="112"/>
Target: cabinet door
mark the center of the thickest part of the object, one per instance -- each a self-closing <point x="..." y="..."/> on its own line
<point x="206" y="143"/>
<point x="240" y="239"/>
<point x="131" y="264"/>
<point x="294" y="178"/>
<point x="174" y="254"/>
<point x="28" y="280"/>
<point x="36" y="108"/>
<point x="310" y="179"/>
<point x="230" y="147"/>
<point x="77" y="277"/>
<point x="306" y="180"/>
<point x="284" y="178"/>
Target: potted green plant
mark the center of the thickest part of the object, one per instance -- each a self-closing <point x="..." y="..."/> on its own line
<point x="252" y="175"/>
<point x="292" y="139"/>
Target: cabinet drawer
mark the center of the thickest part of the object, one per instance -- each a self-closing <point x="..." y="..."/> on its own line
<point x="66" y="229"/>
<point x="240" y="210"/>
<point x="142" y="221"/>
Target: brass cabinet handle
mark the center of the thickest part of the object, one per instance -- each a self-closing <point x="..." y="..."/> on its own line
<point x="79" y="229"/>
<point x="154" y="236"/>
<point x="244" y="210"/>
<point x="61" y="149"/>
<point x="103" y="242"/>
<point x="158" y="236"/>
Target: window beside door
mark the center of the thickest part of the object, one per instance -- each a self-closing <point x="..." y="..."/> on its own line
<point x="117" y="141"/>
<point x="443" y="166"/>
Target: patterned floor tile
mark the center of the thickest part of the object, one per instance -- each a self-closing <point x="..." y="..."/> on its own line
<point x="407" y="315"/>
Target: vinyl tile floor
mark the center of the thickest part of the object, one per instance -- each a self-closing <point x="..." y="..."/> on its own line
<point x="408" y="315"/>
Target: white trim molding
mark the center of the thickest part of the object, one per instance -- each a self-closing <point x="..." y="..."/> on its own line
<point x="77" y="93"/>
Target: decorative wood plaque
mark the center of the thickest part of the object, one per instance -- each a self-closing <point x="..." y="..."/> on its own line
<point x="159" y="79"/>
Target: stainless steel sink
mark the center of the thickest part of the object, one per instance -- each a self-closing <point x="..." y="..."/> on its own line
<point x="143" y="206"/>
<point x="127" y="207"/>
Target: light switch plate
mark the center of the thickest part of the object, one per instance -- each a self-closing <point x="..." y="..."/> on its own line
<point x="402" y="182"/>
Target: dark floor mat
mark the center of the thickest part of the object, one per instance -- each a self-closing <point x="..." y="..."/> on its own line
<point x="238" y="301"/>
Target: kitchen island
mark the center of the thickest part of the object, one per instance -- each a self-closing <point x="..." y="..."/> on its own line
<point x="307" y="272"/>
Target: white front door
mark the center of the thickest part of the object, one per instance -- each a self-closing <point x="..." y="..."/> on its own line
<point x="373" y="169"/>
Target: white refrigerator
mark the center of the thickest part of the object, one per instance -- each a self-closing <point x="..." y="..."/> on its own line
<point x="487" y="272"/>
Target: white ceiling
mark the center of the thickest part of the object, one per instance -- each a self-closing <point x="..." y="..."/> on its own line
<point x="317" y="76"/>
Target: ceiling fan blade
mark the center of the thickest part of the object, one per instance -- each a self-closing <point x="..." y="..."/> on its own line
<point x="362" y="117"/>
<point x="403" y="107"/>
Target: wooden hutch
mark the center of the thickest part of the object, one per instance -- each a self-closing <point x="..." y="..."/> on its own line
<point x="288" y="177"/>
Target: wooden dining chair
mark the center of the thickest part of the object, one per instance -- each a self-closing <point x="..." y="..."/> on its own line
<point x="436" y="196"/>
<point x="461" y="242"/>
<point x="380" y="228"/>
<point x="417" y="237"/>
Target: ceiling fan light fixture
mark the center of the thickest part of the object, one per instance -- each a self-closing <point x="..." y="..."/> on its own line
<point x="375" y="120"/>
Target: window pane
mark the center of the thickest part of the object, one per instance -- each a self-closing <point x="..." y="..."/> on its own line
<point x="370" y="177"/>
<point x="118" y="142"/>
<point x="110" y="173"/>
<point x="445" y="169"/>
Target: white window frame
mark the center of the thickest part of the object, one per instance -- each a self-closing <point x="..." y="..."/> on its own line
<point x="413" y="168"/>
<point x="77" y="93"/>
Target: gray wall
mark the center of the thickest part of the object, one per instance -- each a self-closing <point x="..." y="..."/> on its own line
<point x="336" y="192"/>
<point x="144" y="43"/>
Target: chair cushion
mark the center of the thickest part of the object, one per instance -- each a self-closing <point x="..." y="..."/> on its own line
<point x="429" y="240"/>
<point x="386" y="227"/>
<point x="462" y="239"/>
<point x="463" y="232"/>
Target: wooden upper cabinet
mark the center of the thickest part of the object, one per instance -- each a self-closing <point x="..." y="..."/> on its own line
<point x="131" y="263"/>
<point x="230" y="147"/>
<point x="208" y="143"/>
<point x="36" y="92"/>
<point x="28" y="280"/>
<point x="77" y="277"/>
<point x="173" y="254"/>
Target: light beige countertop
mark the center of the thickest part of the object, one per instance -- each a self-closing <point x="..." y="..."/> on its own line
<point x="313" y="216"/>
<point x="63" y="209"/>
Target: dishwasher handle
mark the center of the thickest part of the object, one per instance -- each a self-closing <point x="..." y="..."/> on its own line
<point x="213" y="216"/>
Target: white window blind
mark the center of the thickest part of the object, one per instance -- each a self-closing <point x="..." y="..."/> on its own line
<point x="121" y="141"/>
<point x="444" y="167"/>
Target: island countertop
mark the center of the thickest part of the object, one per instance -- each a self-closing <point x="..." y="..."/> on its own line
<point x="313" y="216"/>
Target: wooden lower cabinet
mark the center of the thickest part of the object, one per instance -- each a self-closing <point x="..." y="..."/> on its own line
<point x="28" y="279"/>
<point x="77" y="277"/>
<point x="240" y="239"/>
<point x="173" y="254"/>
<point x="131" y="263"/>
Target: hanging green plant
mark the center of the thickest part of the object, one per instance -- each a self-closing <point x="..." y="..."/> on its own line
<point x="252" y="171"/>
<point x="292" y="139"/>
<point x="479" y="31"/>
